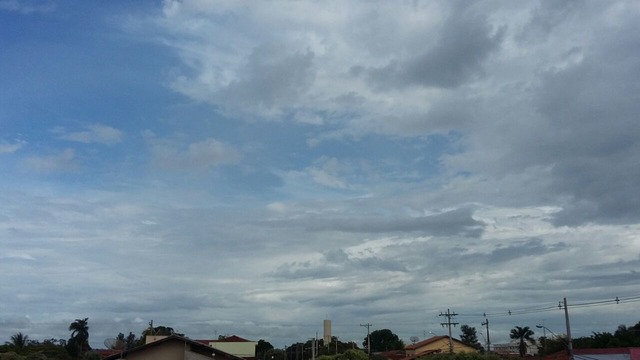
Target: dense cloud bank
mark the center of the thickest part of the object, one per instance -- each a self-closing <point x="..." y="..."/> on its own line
<point x="254" y="168"/>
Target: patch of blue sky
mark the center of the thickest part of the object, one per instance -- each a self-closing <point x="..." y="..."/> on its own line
<point x="70" y="65"/>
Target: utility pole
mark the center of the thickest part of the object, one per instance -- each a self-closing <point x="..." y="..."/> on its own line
<point x="449" y="315"/>
<point x="367" y="325"/>
<point x="566" y="319"/>
<point x="486" y="323"/>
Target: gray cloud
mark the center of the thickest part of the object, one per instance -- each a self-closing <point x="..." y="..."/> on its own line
<point x="455" y="222"/>
<point x="464" y="41"/>
<point x="595" y="138"/>
<point x="335" y="263"/>
<point x="517" y="250"/>
<point x="271" y="76"/>
<point x="547" y="16"/>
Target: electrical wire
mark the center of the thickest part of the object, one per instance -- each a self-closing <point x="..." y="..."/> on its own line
<point x="542" y="308"/>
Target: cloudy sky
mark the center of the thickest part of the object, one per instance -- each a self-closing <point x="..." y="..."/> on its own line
<point x="253" y="168"/>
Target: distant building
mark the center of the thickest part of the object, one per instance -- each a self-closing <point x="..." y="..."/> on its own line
<point x="513" y="348"/>
<point x="437" y="344"/>
<point x="172" y="347"/>
<point x="234" y="345"/>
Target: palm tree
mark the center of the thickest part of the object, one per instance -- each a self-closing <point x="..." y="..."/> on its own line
<point x="19" y="341"/>
<point x="80" y="334"/>
<point x="524" y="335"/>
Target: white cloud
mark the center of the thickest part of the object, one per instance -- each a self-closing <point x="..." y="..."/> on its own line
<point x="27" y="7"/>
<point x="62" y="161"/>
<point x="8" y="148"/>
<point x="94" y="133"/>
<point x="178" y="154"/>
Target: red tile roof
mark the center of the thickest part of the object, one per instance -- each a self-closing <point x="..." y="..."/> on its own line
<point x="232" y="338"/>
<point x="633" y="352"/>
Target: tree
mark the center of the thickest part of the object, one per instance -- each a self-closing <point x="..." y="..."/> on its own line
<point x="79" y="341"/>
<point x="262" y="347"/>
<point x="524" y="336"/>
<point x="19" y="341"/>
<point x="383" y="340"/>
<point x="274" y="354"/>
<point x="130" y="341"/>
<point x="469" y="336"/>
<point x="158" y="331"/>
<point x="352" y="354"/>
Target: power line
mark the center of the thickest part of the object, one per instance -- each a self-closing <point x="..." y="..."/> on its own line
<point x="542" y="308"/>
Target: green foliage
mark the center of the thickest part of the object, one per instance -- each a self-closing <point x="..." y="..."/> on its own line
<point x="11" y="356"/>
<point x="91" y="355"/>
<point x="523" y="335"/>
<point x="469" y="336"/>
<point x="78" y="344"/>
<point x="36" y="356"/>
<point x="274" y="354"/>
<point x="326" y="357"/>
<point x="623" y="337"/>
<point x="262" y="347"/>
<point x="384" y="340"/>
<point x="19" y="341"/>
<point x="352" y="354"/>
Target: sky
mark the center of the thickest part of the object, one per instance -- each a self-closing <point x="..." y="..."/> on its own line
<point x="254" y="168"/>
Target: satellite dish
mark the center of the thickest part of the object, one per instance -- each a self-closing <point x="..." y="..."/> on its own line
<point x="110" y="343"/>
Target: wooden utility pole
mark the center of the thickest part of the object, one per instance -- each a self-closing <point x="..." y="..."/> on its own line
<point x="450" y="315"/>
<point x="486" y="323"/>
<point x="569" y="341"/>
<point x="367" y="325"/>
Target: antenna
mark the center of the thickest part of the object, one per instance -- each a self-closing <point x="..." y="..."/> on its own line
<point x="110" y="343"/>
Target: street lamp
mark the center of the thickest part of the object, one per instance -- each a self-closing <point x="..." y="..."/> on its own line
<point x="544" y="332"/>
<point x="544" y="336"/>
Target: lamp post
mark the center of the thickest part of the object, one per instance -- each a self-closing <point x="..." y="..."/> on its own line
<point x="544" y="336"/>
<point x="566" y="344"/>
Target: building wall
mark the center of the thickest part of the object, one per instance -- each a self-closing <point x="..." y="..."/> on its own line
<point x="513" y="348"/>
<point x="443" y="346"/>
<point x="241" y="349"/>
<point x="169" y="351"/>
<point x="151" y="338"/>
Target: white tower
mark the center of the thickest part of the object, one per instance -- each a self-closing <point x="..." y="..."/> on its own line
<point x="327" y="332"/>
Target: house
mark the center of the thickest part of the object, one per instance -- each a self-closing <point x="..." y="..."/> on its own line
<point x="234" y="345"/>
<point x="513" y="348"/>
<point x="437" y="344"/>
<point x="628" y="353"/>
<point x="173" y="347"/>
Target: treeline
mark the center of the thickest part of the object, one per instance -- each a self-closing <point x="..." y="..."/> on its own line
<point x="623" y="337"/>
<point x="20" y="347"/>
